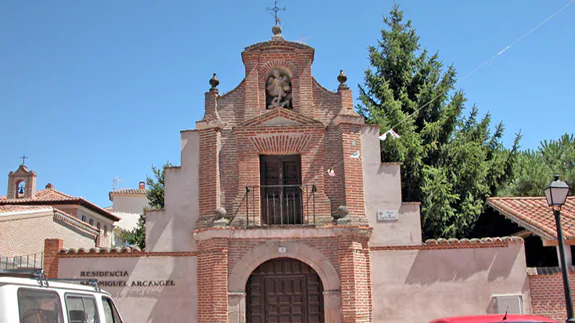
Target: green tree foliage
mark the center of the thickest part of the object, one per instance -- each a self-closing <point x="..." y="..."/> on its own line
<point x="156" y="187"/>
<point x="534" y="169"/>
<point x="451" y="162"/>
<point x="136" y="236"/>
<point x="155" y="195"/>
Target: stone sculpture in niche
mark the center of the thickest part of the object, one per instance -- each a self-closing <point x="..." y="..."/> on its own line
<point x="278" y="90"/>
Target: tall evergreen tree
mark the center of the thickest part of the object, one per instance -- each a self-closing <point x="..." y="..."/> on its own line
<point x="534" y="169"/>
<point x="451" y="162"/>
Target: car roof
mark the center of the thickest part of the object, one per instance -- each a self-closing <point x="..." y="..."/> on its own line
<point x="31" y="282"/>
<point x="495" y="318"/>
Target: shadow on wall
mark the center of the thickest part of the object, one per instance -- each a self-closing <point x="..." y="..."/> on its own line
<point x="161" y="219"/>
<point x="461" y="264"/>
<point x="174" y="304"/>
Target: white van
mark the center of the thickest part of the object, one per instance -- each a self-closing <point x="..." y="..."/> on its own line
<point x="38" y="300"/>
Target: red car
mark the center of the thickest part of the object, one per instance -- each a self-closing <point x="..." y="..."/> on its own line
<point x="495" y="318"/>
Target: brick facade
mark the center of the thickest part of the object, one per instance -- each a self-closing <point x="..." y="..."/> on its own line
<point x="324" y="131"/>
<point x="547" y="293"/>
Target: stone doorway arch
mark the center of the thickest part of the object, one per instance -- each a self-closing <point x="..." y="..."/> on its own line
<point x="242" y="270"/>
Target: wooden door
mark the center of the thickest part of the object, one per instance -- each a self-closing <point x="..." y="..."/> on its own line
<point x="284" y="290"/>
<point x="281" y="195"/>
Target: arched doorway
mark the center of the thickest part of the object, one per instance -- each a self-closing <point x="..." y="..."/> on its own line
<point x="284" y="290"/>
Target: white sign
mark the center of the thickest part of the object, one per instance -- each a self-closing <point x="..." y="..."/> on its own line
<point x="282" y="249"/>
<point x="387" y="215"/>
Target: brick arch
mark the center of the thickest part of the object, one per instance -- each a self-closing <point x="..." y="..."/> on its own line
<point x="282" y="144"/>
<point x="261" y="253"/>
<point x="265" y="68"/>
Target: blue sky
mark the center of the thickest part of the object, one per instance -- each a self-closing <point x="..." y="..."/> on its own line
<point x="91" y="90"/>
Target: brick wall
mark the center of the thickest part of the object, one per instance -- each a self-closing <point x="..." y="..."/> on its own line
<point x="547" y="293"/>
<point x="25" y="234"/>
<point x="327" y="246"/>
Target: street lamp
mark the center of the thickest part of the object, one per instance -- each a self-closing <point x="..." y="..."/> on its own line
<point x="556" y="195"/>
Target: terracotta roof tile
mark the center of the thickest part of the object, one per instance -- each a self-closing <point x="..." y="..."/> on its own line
<point x="9" y="208"/>
<point x="52" y="196"/>
<point x="534" y="214"/>
<point x="18" y="209"/>
<point x="100" y="250"/>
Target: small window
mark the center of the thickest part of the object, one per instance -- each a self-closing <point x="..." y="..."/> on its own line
<point x="110" y="311"/>
<point x="98" y="225"/>
<point x="83" y="218"/>
<point x="91" y="221"/>
<point x="38" y="306"/>
<point x="105" y="230"/>
<point x="82" y="309"/>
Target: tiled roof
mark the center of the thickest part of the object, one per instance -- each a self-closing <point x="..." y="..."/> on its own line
<point x="23" y="208"/>
<point x="100" y="250"/>
<point x="20" y="210"/>
<point x="130" y="191"/>
<point x="52" y="196"/>
<point x="464" y="241"/>
<point x="533" y="214"/>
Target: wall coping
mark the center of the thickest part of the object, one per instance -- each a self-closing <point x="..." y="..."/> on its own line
<point x="434" y="244"/>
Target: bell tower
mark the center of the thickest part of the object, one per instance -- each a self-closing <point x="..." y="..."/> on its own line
<point x="21" y="183"/>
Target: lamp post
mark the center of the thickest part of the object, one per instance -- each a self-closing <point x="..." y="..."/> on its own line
<point x="556" y="195"/>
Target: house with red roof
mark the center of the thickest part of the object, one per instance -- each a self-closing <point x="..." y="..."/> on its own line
<point x="531" y="219"/>
<point x="29" y="216"/>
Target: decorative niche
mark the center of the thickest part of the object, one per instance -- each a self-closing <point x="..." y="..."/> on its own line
<point x="278" y="89"/>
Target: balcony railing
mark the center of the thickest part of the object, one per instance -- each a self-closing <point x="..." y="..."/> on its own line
<point x="273" y="205"/>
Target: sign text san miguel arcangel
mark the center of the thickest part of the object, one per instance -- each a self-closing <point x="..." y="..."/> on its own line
<point x="119" y="278"/>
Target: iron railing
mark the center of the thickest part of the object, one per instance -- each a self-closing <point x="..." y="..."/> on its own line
<point x="268" y="205"/>
<point x="31" y="261"/>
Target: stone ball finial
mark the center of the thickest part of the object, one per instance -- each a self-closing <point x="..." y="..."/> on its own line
<point x="220" y="212"/>
<point x="342" y="77"/>
<point x="214" y="82"/>
<point x="277" y="30"/>
<point x="342" y="212"/>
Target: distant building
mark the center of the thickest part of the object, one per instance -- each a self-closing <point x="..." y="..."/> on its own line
<point x="23" y="229"/>
<point x="82" y="213"/>
<point x="128" y="205"/>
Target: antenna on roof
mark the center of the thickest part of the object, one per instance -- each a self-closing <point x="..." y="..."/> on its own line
<point x="115" y="182"/>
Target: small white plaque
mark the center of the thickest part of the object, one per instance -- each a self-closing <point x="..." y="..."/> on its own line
<point x="282" y="249"/>
<point x="387" y="215"/>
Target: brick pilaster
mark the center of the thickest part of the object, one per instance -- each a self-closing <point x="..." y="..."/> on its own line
<point x="213" y="280"/>
<point x="209" y="174"/>
<point x="352" y="170"/>
<point x="51" y="248"/>
<point x="354" y="261"/>
<point x="211" y="106"/>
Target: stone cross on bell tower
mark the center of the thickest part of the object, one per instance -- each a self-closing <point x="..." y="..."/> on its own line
<point x="275" y="9"/>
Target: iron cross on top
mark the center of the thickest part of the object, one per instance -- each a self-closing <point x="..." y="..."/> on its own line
<point x="23" y="159"/>
<point x="275" y="10"/>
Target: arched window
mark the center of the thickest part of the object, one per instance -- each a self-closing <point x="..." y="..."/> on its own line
<point x="91" y="221"/>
